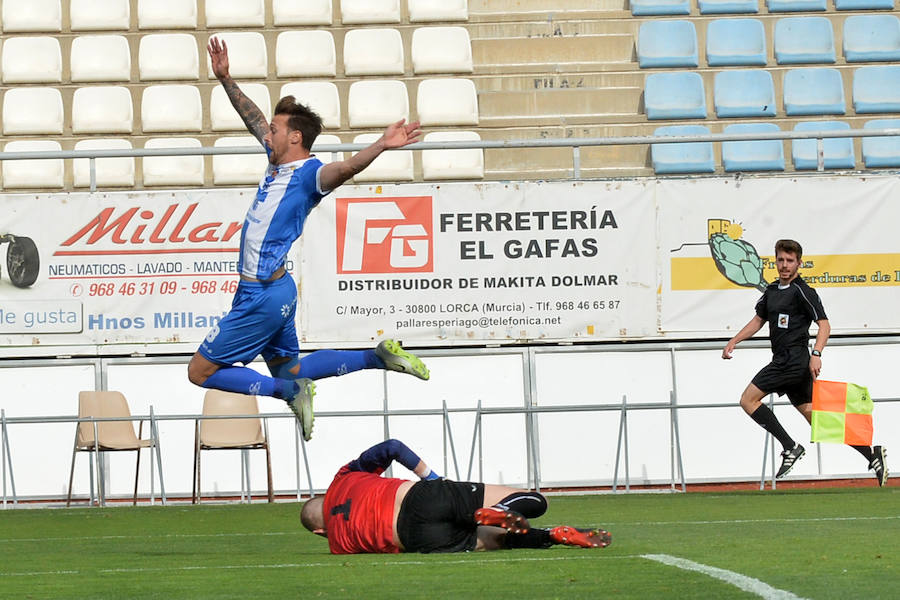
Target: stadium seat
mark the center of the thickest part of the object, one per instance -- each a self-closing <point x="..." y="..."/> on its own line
<point x="682" y="157"/>
<point x="307" y="12"/>
<point x="838" y="151"/>
<point x="876" y="89"/>
<point x="173" y="170"/>
<point x="320" y="96"/>
<point x="801" y="40"/>
<point x="744" y="93"/>
<point x="118" y="172"/>
<point x="452" y="163"/>
<point x="758" y="155"/>
<point x="100" y="58"/>
<point x="31" y="15"/>
<point x="863" y="4"/>
<point x="664" y="43"/>
<point x="164" y="56"/>
<point x="870" y="38"/>
<point x="238" y="169"/>
<point x="421" y="11"/>
<point x="775" y="6"/>
<point x="327" y="157"/>
<point x="102" y="109"/>
<point x="373" y="52"/>
<point x="171" y="108"/>
<point x="441" y="50"/>
<point x="96" y="15"/>
<point x="167" y="14"/>
<point x="377" y="103"/>
<point x="309" y="52"/>
<point x="720" y="7"/>
<point x="814" y="92"/>
<point x="357" y="12"/>
<point x="37" y="173"/>
<point x="882" y="151"/>
<point x="247" y="56"/>
<point x="32" y="60"/>
<point x="735" y="42"/>
<point x="675" y="95"/>
<point x="447" y="102"/>
<point x="393" y="165"/>
<point x="32" y="110"/>
<point x="641" y="8"/>
<point x="228" y="13"/>
<point x="222" y="115"/>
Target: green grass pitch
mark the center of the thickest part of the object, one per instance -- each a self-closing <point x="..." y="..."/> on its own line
<point x="836" y="543"/>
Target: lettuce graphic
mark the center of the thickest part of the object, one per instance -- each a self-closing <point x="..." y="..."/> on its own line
<point x="737" y="260"/>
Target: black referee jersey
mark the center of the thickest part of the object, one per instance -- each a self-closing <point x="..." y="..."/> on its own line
<point x="789" y="310"/>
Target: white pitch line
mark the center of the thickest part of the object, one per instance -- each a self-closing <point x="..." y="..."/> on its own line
<point x="144" y="537"/>
<point x="778" y="520"/>
<point x="743" y="582"/>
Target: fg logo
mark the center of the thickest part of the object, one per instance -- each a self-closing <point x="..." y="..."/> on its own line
<point x="384" y="235"/>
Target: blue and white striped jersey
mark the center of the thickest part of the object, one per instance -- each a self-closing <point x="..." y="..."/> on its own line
<point x="286" y="195"/>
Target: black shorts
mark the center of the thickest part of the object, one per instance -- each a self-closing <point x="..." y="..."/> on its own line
<point x="788" y="373"/>
<point x="438" y="516"/>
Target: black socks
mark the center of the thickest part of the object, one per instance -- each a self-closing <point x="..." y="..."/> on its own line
<point x="767" y="420"/>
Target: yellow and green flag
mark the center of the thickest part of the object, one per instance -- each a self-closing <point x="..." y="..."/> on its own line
<point x="841" y="413"/>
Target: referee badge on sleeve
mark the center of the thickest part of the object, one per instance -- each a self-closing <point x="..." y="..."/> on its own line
<point x="783" y="320"/>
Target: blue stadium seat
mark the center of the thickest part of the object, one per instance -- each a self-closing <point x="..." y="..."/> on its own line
<point x="838" y="151"/>
<point x="871" y="38"/>
<point x="814" y="92"/>
<point x="682" y="157"/>
<point x="667" y="44"/>
<point x="876" y="89"/>
<point x="744" y="93"/>
<point x="719" y="7"/>
<point x="675" y="95"/>
<point x="881" y="151"/>
<point x="735" y="42"/>
<point x="801" y="40"/>
<point x="660" y="7"/>
<point x="759" y="155"/>
<point x="864" y="4"/>
<point x="796" y="5"/>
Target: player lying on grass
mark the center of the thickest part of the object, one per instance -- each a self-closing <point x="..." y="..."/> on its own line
<point x="363" y="512"/>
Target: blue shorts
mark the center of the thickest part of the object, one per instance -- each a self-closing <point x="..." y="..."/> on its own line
<point x="261" y="321"/>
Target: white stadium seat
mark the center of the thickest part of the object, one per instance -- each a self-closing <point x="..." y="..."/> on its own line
<point x="377" y="103"/>
<point x="447" y="102"/>
<point x="327" y="157"/>
<point x="309" y="52"/>
<point x="238" y="169"/>
<point x="37" y="173"/>
<point x="222" y="115"/>
<point x="307" y="12"/>
<point x="373" y="52"/>
<point x="95" y="15"/>
<point x="32" y="15"/>
<point x="173" y="170"/>
<point x="438" y="10"/>
<point x="108" y="171"/>
<point x="228" y="13"/>
<point x="167" y="14"/>
<point x="32" y="60"/>
<point x="171" y="108"/>
<point x="168" y="56"/>
<point x="321" y="96"/>
<point x="354" y="12"/>
<point x="32" y="110"/>
<point x="393" y="165"/>
<point x="100" y="58"/>
<point x="247" y="56"/>
<point x="457" y="163"/>
<point x="441" y="50"/>
<point x="102" y="109"/>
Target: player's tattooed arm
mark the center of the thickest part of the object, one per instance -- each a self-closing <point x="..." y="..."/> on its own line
<point x="252" y="116"/>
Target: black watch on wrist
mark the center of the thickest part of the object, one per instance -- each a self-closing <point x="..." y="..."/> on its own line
<point x="816" y="353"/>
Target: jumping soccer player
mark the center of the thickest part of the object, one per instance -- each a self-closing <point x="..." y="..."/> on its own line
<point x="363" y="512"/>
<point x="261" y="319"/>
<point x="789" y="306"/>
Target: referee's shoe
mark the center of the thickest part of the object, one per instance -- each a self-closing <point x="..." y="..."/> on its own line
<point x="788" y="458"/>
<point x="878" y="465"/>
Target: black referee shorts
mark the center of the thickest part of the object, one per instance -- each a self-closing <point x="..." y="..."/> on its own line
<point x="788" y="373"/>
<point x="438" y="516"/>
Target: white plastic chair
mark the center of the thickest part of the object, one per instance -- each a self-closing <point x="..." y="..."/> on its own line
<point x="32" y="60"/>
<point x="102" y="109"/>
<point x="222" y="115"/>
<point x="32" y="110"/>
<point x="373" y="52"/>
<point x="461" y="163"/>
<point x="321" y="96"/>
<point x="441" y="50"/>
<point x="95" y="15"/>
<point x="305" y="53"/>
<point x="377" y="103"/>
<point x="247" y="56"/>
<point x="32" y="15"/>
<point x="167" y="14"/>
<point x="228" y="13"/>
<point x="171" y="108"/>
<point x="355" y="12"/>
<point x="107" y="171"/>
<point x="305" y="12"/>
<point x="37" y="173"/>
<point x="438" y="10"/>
<point x="394" y="165"/>
<point x="166" y="56"/>
<point x="100" y="58"/>
<point x="327" y="157"/>
<point x="447" y="102"/>
<point x="238" y="169"/>
<point x="172" y="170"/>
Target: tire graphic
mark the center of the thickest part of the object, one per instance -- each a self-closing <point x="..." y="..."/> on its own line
<point x="22" y="261"/>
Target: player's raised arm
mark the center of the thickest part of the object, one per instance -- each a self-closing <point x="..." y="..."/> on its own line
<point x="379" y="457"/>
<point x="252" y="116"/>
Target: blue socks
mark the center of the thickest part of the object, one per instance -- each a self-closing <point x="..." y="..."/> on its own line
<point x="244" y="380"/>
<point x="333" y="363"/>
